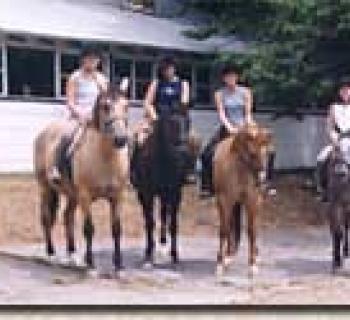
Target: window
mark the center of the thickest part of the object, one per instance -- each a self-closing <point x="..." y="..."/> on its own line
<point x="30" y="72"/>
<point x="143" y="76"/>
<point x="203" y="86"/>
<point x="185" y="71"/>
<point x="69" y="62"/>
<point x="121" y="68"/>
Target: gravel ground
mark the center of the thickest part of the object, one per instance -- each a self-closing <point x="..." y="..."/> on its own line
<point x="293" y="237"/>
<point x="294" y="268"/>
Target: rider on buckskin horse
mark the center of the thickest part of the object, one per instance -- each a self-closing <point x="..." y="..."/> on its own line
<point x="82" y="89"/>
<point x="338" y="124"/>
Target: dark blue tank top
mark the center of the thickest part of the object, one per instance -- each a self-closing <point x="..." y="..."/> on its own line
<point x="168" y="96"/>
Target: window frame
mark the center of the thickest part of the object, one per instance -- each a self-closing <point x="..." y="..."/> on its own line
<point x="3" y="69"/>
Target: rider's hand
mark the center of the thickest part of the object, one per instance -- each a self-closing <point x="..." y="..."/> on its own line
<point x="232" y="129"/>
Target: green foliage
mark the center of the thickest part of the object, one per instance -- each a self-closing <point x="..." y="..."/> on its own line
<point x="298" y="49"/>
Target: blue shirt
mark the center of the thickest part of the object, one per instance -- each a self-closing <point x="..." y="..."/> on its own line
<point x="168" y="96"/>
<point x="234" y="104"/>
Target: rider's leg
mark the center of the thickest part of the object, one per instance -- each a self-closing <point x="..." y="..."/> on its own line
<point x="321" y="170"/>
<point x="207" y="159"/>
<point x="270" y="172"/>
<point x="62" y="157"/>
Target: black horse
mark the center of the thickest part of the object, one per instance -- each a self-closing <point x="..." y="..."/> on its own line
<point x="159" y="167"/>
<point x="338" y="190"/>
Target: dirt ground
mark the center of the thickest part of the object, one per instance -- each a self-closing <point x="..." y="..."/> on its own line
<point x="19" y="211"/>
<point x="293" y="239"/>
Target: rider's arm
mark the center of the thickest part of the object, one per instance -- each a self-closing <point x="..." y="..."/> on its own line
<point x="149" y="101"/>
<point x="332" y="133"/>
<point x="102" y="81"/>
<point x="222" y="114"/>
<point x="70" y="95"/>
<point x="185" y="95"/>
<point x="248" y="106"/>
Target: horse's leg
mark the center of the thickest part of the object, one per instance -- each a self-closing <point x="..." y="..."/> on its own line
<point x="49" y="204"/>
<point x="252" y="208"/>
<point x="335" y="213"/>
<point x="116" y="209"/>
<point x="88" y="231"/>
<point x="147" y="203"/>
<point x="346" y="236"/>
<point x="163" y="220"/>
<point x="174" y="198"/>
<point x="235" y="232"/>
<point x="224" y="233"/>
<point x="69" y="215"/>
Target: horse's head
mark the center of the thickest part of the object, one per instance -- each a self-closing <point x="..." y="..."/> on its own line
<point x="109" y="120"/>
<point x="253" y="143"/>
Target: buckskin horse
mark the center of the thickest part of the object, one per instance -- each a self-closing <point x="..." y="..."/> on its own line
<point x="100" y="169"/>
<point x="338" y="188"/>
<point x="239" y="162"/>
<point x="159" y="166"/>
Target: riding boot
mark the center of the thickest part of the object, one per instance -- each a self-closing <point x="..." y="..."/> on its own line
<point x="321" y="180"/>
<point x="63" y="159"/>
<point x="270" y="173"/>
<point x="207" y="161"/>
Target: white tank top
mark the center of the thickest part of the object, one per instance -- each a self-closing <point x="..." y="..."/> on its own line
<point x="87" y="90"/>
<point x="342" y="116"/>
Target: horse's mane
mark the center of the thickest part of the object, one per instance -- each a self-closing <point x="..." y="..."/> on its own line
<point x="254" y="135"/>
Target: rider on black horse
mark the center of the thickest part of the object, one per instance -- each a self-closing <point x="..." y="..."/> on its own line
<point x="167" y="96"/>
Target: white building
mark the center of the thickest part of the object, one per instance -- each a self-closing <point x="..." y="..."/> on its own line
<point x="40" y="41"/>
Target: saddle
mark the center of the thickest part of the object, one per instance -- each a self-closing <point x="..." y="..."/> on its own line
<point x="342" y="154"/>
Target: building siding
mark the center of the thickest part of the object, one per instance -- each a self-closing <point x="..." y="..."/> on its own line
<point x="297" y="142"/>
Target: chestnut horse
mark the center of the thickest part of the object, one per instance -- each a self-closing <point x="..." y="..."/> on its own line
<point x="239" y="162"/>
<point x="100" y="169"/>
<point x="159" y="166"/>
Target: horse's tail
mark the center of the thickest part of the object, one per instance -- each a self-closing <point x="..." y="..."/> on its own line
<point x="236" y="226"/>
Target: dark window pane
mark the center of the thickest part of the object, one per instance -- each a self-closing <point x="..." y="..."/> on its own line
<point x="203" y="95"/>
<point x="185" y="71"/>
<point x="140" y="88"/>
<point x="121" y="68"/>
<point x="69" y="62"/>
<point x="144" y="70"/>
<point x="30" y="72"/>
<point x="203" y="74"/>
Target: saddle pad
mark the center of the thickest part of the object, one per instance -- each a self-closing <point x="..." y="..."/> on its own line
<point x="344" y="145"/>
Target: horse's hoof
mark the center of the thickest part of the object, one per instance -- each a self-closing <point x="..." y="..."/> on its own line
<point x="92" y="273"/>
<point x="52" y="259"/>
<point x="147" y="265"/>
<point x="253" y="270"/>
<point x="228" y="260"/>
<point x="163" y="250"/>
<point x="74" y="260"/>
<point x="220" y="271"/>
<point x="258" y="260"/>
